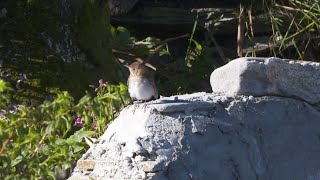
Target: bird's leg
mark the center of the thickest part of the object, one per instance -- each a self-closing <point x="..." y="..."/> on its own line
<point x="145" y="103"/>
<point x="135" y="106"/>
<point x="145" y="106"/>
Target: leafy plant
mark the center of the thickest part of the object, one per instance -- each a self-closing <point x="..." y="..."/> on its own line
<point x="295" y="28"/>
<point x="36" y="141"/>
<point x="124" y="43"/>
<point x="304" y="26"/>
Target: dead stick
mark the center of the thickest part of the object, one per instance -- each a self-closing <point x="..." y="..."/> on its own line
<point x="139" y="60"/>
<point x="221" y="54"/>
<point x="164" y="42"/>
<point x="4" y="145"/>
<point x="240" y="32"/>
<point x="161" y="72"/>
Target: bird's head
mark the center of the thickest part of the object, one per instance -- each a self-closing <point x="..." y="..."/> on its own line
<point x="138" y="69"/>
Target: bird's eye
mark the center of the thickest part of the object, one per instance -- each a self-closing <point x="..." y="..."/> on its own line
<point x="134" y="69"/>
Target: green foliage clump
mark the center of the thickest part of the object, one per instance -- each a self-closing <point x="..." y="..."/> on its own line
<point x="37" y="140"/>
<point x="179" y="76"/>
<point x="295" y="27"/>
<point x="46" y="45"/>
<point x="302" y="34"/>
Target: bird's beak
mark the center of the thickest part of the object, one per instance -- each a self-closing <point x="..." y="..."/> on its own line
<point x="127" y="66"/>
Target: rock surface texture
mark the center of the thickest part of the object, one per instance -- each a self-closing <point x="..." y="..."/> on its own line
<point x="210" y="136"/>
<point x="268" y="76"/>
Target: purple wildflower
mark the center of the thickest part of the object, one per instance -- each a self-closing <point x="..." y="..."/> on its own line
<point x="78" y="121"/>
<point x="102" y="83"/>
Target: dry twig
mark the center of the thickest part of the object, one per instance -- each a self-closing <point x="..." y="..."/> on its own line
<point x="4" y="145"/>
<point x="240" y="32"/>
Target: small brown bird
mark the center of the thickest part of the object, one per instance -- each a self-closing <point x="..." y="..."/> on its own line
<point x="141" y="85"/>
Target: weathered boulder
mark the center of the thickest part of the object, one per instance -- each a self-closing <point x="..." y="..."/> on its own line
<point x="268" y="76"/>
<point x="205" y="136"/>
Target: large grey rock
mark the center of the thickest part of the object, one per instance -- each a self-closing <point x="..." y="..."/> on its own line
<point x="204" y="136"/>
<point x="268" y="76"/>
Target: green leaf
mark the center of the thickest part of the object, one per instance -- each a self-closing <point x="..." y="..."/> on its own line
<point x="76" y="137"/>
<point x="198" y="46"/>
<point x="85" y="99"/>
<point x="4" y="86"/>
<point x="50" y="128"/>
<point x="17" y="160"/>
<point x="113" y="32"/>
<point x="77" y="148"/>
<point x="164" y="52"/>
<point x="122" y="36"/>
